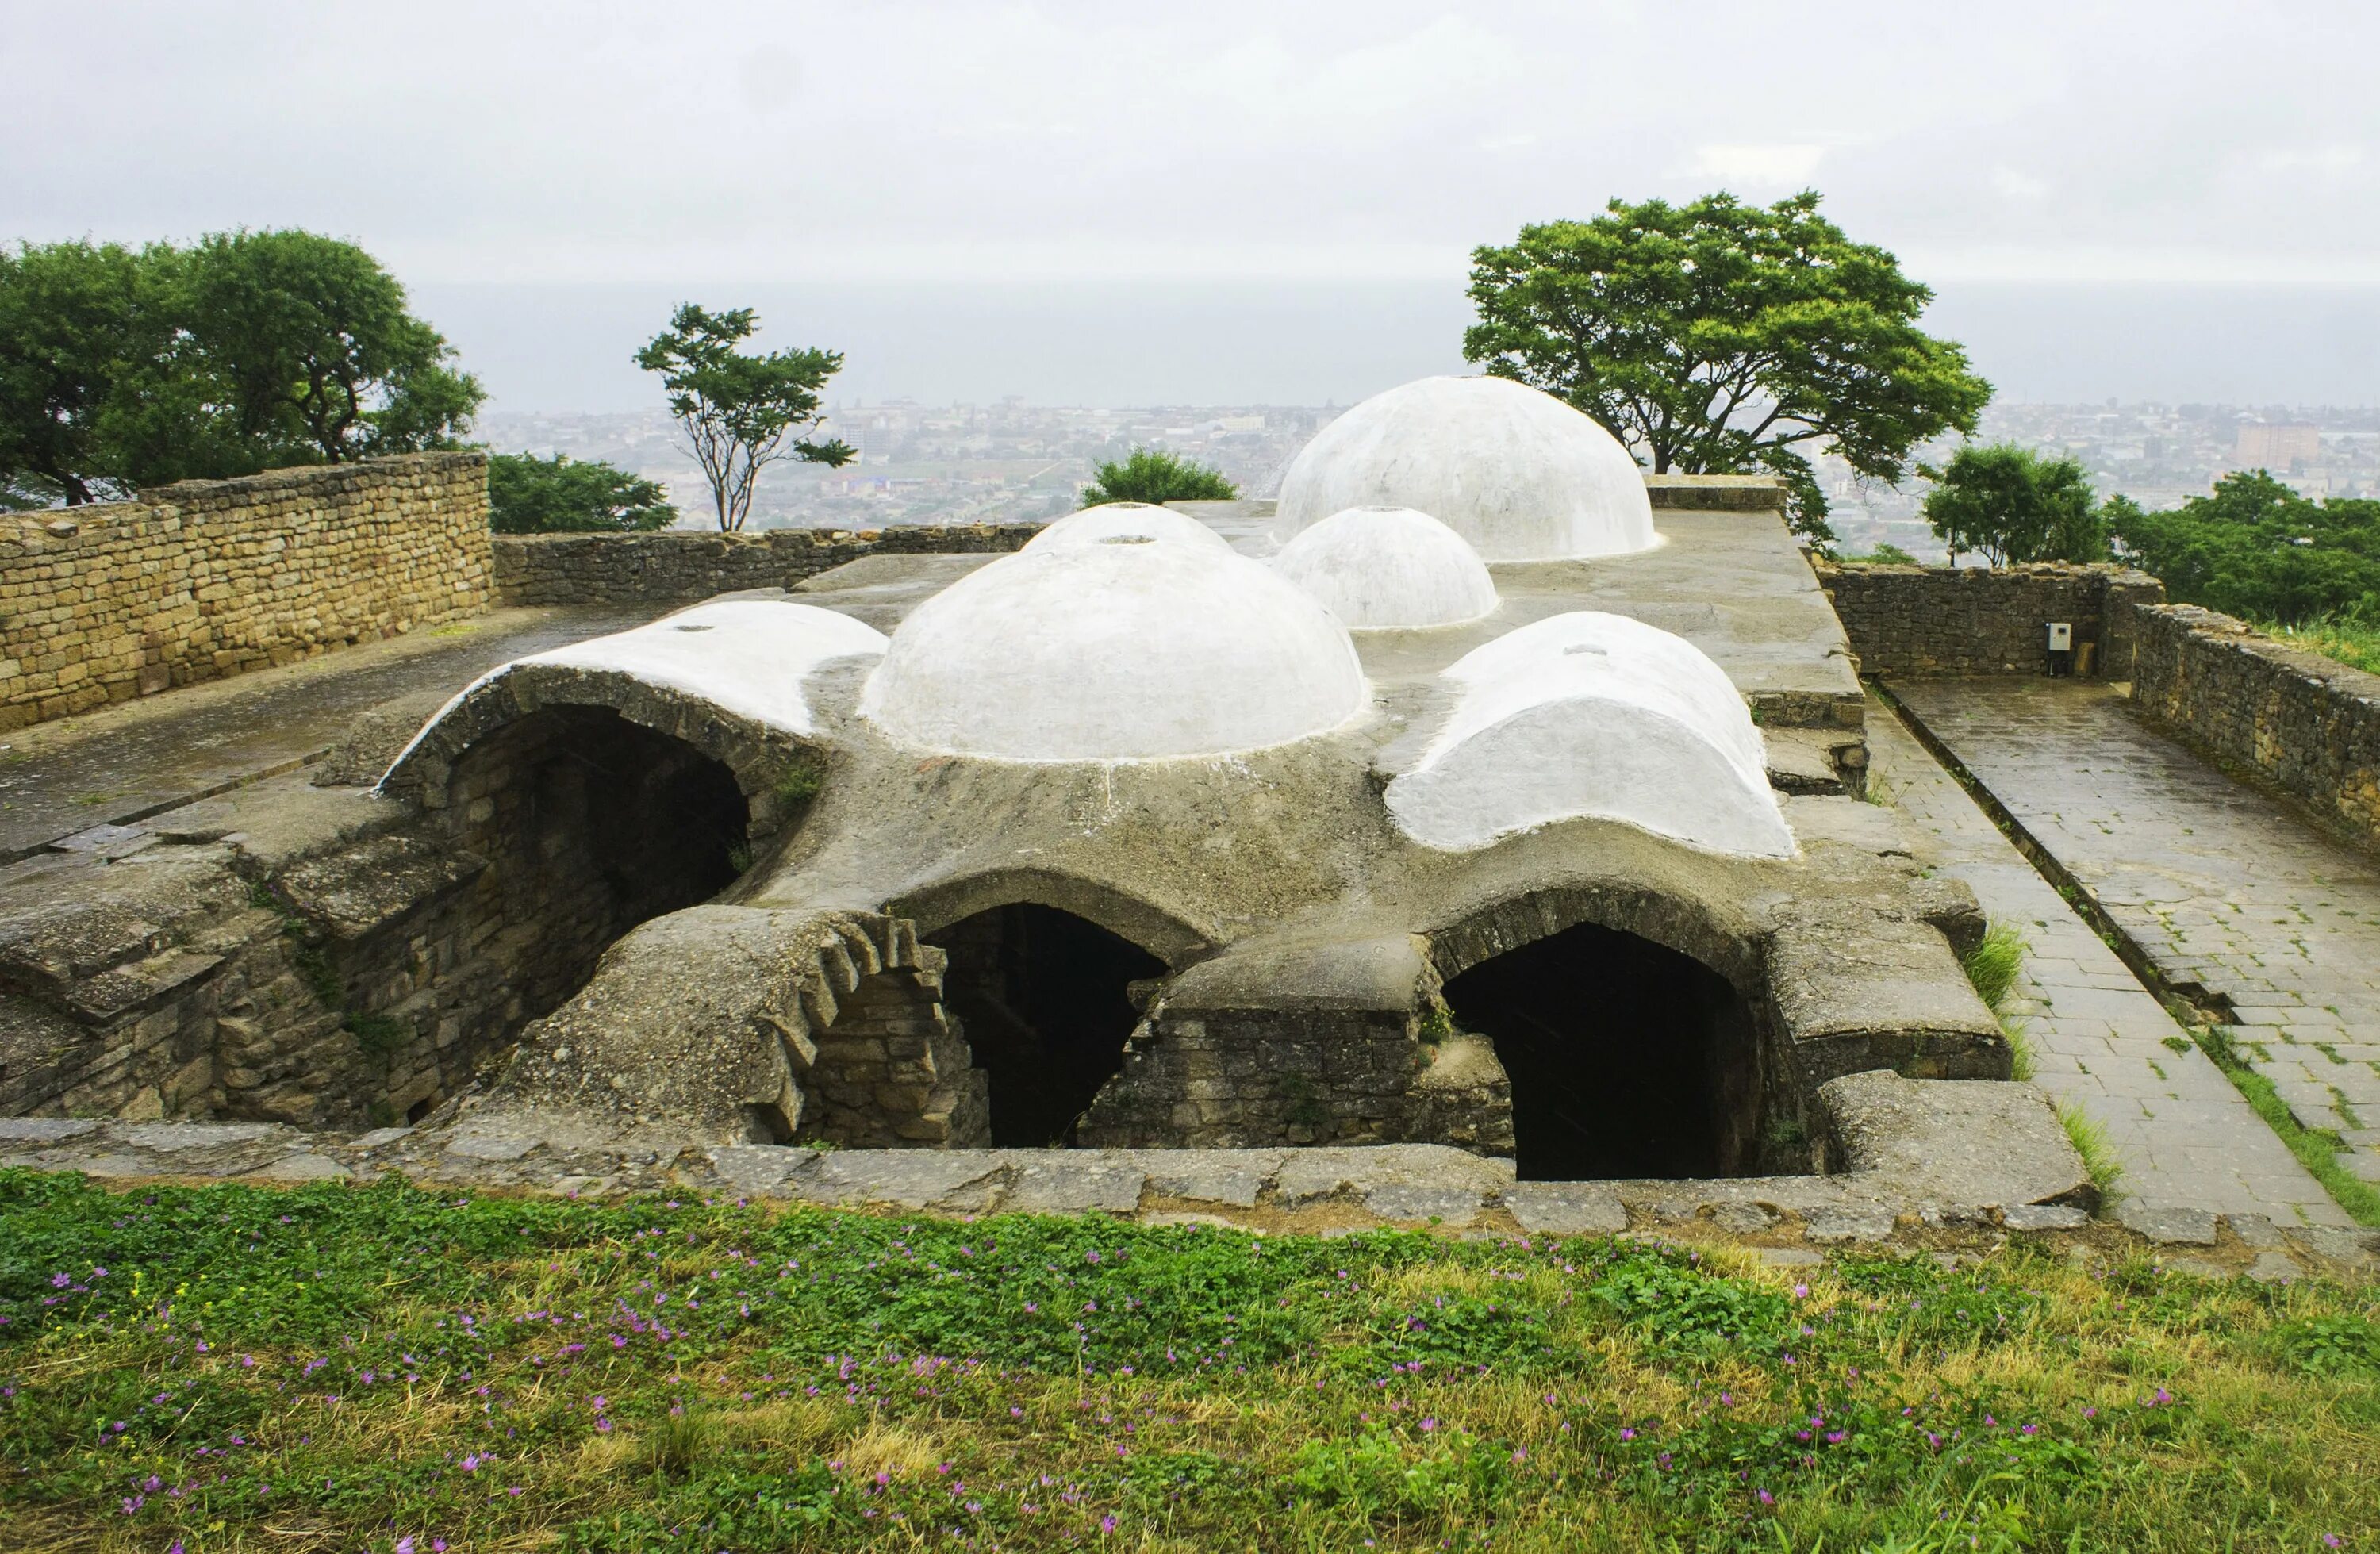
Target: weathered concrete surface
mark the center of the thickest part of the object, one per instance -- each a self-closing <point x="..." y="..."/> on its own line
<point x="2101" y="1042"/>
<point x="2224" y="890"/>
<point x="1913" y="1197"/>
<point x="119" y="764"/>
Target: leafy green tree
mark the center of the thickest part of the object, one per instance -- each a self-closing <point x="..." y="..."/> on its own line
<point x="561" y="495"/>
<point x="75" y="339"/>
<point x="2254" y="548"/>
<point x="1154" y="475"/>
<point x="301" y="346"/>
<point x="1718" y="337"/>
<point x="1887" y="554"/>
<point x="2010" y="506"/>
<point x="737" y="409"/>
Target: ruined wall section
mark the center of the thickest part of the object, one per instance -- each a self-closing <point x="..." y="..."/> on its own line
<point x="2307" y="724"/>
<point x="208" y="578"/>
<point x="678" y="568"/>
<point x="1936" y="620"/>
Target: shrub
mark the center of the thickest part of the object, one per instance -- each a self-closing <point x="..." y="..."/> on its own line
<point x="561" y="495"/>
<point x="1154" y="475"/>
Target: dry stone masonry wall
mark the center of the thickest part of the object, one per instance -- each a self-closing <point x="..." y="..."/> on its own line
<point x="677" y="567"/>
<point x="213" y="577"/>
<point x="1935" y="620"/>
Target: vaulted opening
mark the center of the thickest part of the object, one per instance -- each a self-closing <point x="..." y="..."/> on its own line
<point x="1627" y="1058"/>
<point x="1044" y="998"/>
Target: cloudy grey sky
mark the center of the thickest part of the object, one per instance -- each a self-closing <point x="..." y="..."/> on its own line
<point x="980" y="164"/>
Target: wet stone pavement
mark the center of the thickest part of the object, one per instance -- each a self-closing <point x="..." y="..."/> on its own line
<point x="2102" y="1044"/>
<point x="2220" y="886"/>
<point x="122" y="763"/>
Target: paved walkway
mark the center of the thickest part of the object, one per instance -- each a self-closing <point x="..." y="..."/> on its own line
<point x="2221" y="886"/>
<point x="2101" y="1042"/>
<point x="121" y="763"/>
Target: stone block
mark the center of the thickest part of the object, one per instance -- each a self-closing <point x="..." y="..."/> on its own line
<point x="2168" y="1226"/>
<point x="1565" y="1208"/>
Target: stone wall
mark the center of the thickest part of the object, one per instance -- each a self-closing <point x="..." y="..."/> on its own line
<point x="1935" y="620"/>
<point x="676" y="566"/>
<point x="2308" y="725"/>
<point x="213" y="578"/>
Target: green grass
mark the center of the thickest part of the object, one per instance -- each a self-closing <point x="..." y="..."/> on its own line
<point x="2090" y="1140"/>
<point x="232" y="1369"/>
<point x="2353" y="644"/>
<point x="1994" y="965"/>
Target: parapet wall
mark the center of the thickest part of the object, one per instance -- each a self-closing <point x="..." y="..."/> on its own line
<point x="213" y="578"/>
<point x="1935" y="620"/>
<point x="2308" y="725"/>
<point x="677" y="567"/>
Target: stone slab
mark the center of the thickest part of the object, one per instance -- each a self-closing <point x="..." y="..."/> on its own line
<point x="903" y="1178"/>
<point x="1080" y="1184"/>
<point x="1565" y="1208"/>
<point x="1402" y="1201"/>
<point x="2167" y="1226"/>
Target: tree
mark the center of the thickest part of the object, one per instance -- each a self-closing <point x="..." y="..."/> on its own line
<point x="738" y="410"/>
<point x="2254" y="548"/>
<point x="302" y="346"/>
<point x="561" y="495"/>
<point x="74" y="338"/>
<point x="1725" y="338"/>
<point x="2012" y="506"/>
<point x="1154" y="475"/>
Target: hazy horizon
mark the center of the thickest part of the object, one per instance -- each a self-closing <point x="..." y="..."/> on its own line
<point x="561" y="348"/>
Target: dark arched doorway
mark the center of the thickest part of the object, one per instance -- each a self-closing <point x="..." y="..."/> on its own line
<point x="594" y="824"/>
<point x="1627" y="1058"/>
<point x="1044" y="999"/>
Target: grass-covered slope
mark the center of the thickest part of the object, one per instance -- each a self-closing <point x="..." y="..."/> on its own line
<point x="384" y="1369"/>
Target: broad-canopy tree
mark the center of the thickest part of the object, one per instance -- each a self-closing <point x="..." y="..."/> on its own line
<point x="1718" y="337"/>
<point x="311" y="351"/>
<point x="561" y="495"/>
<point x="1154" y="475"/>
<point x="74" y="337"/>
<point x="251" y="351"/>
<point x="2254" y="548"/>
<point x="738" y="410"/>
<point x="2010" y="504"/>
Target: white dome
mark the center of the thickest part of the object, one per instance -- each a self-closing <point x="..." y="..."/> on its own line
<point x="1120" y="649"/>
<point x="1094" y="524"/>
<point x="1593" y="714"/>
<point x="1518" y="473"/>
<point x="1389" y="569"/>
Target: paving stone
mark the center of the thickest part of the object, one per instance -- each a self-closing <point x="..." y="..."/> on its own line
<point x="1451" y="1205"/>
<point x="2352" y="1247"/>
<point x="1565" y="1208"/>
<point x="43" y="1130"/>
<point x="493" y="1146"/>
<point x="905" y="1178"/>
<point x="1848" y="1224"/>
<point x="169" y="1138"/>
<point x="1236" y="1177"/>
<point x="304" y="1166"/>
<point x="2275" y="1268"/>
<point x="379" y="1137"/>
<point x="2043" y="1217"/>
<point x="2168" y="1227"/>
<point x="1743" y="1218"/>
<point x="760" y="1170"/>
<point x="2255" y="1230"/>
<point x="1075" y="1184"/>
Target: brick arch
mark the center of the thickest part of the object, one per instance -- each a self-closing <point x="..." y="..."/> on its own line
<point x="1480" y="933"/>
<point x="1160" y="932"/>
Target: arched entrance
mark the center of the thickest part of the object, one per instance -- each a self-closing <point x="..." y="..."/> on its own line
<point x="1627" y="1058"/>
<point x="1044" y="998"/>
<point x="594" y="824"/>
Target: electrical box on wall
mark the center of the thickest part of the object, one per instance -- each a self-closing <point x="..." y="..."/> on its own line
<point x="2061" y="636"/>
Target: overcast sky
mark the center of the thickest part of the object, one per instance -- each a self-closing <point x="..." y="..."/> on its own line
<point x="691" y="147"/>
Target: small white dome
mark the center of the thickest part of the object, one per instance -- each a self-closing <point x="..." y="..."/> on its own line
<point x="1518" y="473"/>
<point x="1110" y="518"/>
<point x="1389" y="569"/>
<point x="1593" y="714"/>
<point x="1123" y="648"/>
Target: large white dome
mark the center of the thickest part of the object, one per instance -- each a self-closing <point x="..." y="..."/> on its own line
<point x="1124" y="648"/>
<point x="1110" y="518"/>
<point x="1389" y="569"/>
<point x="1518" y="473"/>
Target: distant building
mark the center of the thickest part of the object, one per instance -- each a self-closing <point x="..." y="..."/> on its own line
<point x="2275" y="444"/>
